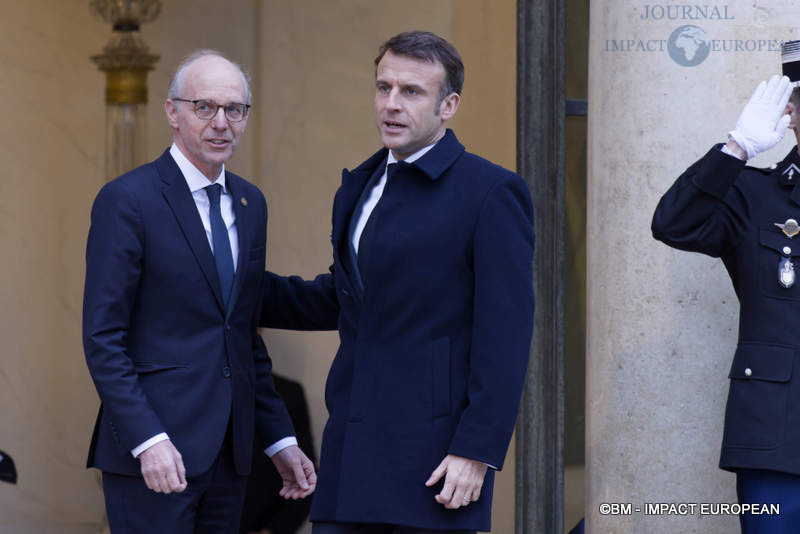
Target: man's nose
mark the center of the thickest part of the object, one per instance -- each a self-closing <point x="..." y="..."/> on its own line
<point x="393" y="99"/>
<point x="219" y="121"/>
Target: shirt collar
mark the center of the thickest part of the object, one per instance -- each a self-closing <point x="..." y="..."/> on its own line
<point x="413" y="157"/>
<point x="194" y="178"/>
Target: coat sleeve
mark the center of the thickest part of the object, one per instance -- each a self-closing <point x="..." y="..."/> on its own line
<point x="292" y="303"/>
<point x="272" y="418"/>
<point x="113" y="268"/>
<point x="502" y="323"/>
<point x="704" y="211"/>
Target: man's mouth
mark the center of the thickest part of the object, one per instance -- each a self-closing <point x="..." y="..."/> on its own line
<point x="218" y="142"/>
<point x="394" y="125"/>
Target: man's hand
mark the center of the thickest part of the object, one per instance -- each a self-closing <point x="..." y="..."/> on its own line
<point x="762" y="122"/>
<point x="297" y="472"/>
<point x="162" y="468"/>
<point x="463" y="481"/>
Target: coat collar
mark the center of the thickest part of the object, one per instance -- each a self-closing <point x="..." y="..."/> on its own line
<point x="433" y="164"/>
<point x="441" y="157"/>
<point x="789" y="173"/>
<point x="789" y="168"/>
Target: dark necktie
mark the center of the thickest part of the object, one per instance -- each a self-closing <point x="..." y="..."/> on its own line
<point x="367" y="235"/>
<point x="222" y="245"/>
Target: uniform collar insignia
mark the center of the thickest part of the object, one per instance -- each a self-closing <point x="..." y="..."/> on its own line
<point x="791" y="174"/>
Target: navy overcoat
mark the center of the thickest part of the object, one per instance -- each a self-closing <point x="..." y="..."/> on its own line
<point x="435" y="335"/>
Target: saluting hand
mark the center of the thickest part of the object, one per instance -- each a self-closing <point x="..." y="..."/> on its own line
<point x="763" y="122"/>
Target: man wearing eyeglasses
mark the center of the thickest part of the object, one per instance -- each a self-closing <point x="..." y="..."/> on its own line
<point x="174" y="267"/>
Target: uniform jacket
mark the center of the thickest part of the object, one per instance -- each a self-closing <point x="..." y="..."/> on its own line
<point x="164" y="353"/>
<point x="723" y="209"/>
<point x="435" y="335"/>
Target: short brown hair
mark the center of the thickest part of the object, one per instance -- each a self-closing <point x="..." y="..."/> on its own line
<point x="428" y="46"/>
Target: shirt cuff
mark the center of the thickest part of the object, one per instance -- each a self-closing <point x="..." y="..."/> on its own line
<point x="280" y="445"/>
<point x="727" y="151"/>
<point x="149" y="443"/>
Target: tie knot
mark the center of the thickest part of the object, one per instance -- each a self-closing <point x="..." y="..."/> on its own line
<point x="213" y="191"/>
<point x="390" y="168"/>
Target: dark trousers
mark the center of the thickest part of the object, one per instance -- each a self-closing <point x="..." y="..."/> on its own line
<point x="760" y="487"/>
<point x="373" y="528"/>
<point x="211" y="502"/>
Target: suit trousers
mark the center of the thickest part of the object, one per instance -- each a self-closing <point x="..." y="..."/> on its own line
<point x="211" y="502"/>
<point x="760" y="487"/>
<point x="375" y="528"/>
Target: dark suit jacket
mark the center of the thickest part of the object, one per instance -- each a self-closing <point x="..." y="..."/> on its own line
<point x="164" y="353"/>
<point x="721" y="208"/>
<point x="435" y="335"/>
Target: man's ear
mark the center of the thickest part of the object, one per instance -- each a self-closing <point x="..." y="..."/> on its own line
<point x="171" y="111"/>
<point x="449" y="106"/>
<point x="792" y="111"/>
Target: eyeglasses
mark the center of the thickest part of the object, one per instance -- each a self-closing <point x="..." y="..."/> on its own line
<point x="207" y="109"/>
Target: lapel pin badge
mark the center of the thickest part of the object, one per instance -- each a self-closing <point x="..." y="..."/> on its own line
<point x="244" y="201"/>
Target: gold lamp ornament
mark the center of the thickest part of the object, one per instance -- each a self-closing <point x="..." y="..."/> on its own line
<point x="126" y="60"/>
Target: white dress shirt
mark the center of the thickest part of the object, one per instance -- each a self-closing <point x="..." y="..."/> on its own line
<point x="197" y="182"/>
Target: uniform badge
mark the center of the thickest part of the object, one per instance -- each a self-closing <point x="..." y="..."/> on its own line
<point x="791" y="171"/>
<point x="786" y="273"/>
<point x="790" y="228"/>
<point x="244" y="202"/>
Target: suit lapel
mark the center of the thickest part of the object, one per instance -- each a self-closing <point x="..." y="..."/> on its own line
<point x="358" y="276"/>
<point x="240" y="209"/>
<point x="353" y="184"/>
<point x="177" y="194"/>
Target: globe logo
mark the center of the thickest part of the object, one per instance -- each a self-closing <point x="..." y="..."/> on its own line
<point x="688" y="46"/>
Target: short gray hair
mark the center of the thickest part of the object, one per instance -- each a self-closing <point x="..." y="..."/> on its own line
<point x="177" y="78"/>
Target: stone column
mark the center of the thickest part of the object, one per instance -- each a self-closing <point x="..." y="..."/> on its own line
<point x="540" y="161"/>
<point x="662" y="324"/>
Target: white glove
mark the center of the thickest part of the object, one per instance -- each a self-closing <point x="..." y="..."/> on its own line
<point x="762" y="122"/>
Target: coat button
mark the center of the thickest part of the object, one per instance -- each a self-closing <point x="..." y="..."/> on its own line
<point x="748" y="372"/>
<point x="787" y="250"/>
<point x="226" y="372"/>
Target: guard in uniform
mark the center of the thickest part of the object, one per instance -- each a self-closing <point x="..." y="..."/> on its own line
<point x="749" y="218"/>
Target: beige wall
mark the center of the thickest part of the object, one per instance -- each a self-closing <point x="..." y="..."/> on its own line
<point x="51" y="145"/>
<point x="312" y="81"/>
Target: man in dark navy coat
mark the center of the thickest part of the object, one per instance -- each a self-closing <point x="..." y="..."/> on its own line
<point x="748" y="217"/>
<point x="431" y="291"/>
<point x="174" y="268"/>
